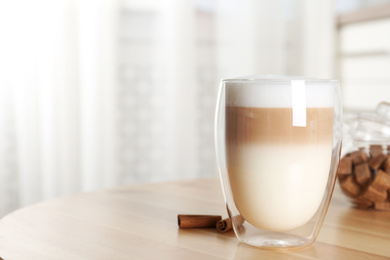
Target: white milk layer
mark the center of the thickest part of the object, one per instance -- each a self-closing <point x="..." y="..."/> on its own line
<point x="279" y="188"/>
<point x="279" y="94"/>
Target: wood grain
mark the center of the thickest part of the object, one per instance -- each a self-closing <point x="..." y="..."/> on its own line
<point x="140" y="222"/>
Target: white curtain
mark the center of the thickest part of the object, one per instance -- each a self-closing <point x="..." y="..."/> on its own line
<point x="58" y="79"/>
<point x="95" y="94"/>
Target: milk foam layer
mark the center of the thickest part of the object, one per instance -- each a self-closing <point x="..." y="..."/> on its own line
<point x="277" y="94"/>
<point x="279" y="188"/>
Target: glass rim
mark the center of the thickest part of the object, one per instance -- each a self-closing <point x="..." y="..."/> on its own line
<point x="274" y="79"/>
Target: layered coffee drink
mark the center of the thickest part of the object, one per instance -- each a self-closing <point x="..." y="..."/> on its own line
<point x="278" y="151"/>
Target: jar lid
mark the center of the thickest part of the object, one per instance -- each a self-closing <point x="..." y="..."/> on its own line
<point x="370" y="128"/>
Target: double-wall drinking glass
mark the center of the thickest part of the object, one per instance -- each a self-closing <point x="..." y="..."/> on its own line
<point x="278" y="143"/>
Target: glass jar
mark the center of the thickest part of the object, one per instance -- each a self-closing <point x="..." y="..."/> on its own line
<point x="364" y="170"/>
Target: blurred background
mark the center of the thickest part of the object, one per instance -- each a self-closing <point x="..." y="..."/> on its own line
<point x="101" y="93"/>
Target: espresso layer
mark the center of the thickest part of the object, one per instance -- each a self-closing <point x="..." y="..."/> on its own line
<point x="274" y="125"/>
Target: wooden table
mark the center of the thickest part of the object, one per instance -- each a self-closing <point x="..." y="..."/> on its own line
<point x="140" y="222"/>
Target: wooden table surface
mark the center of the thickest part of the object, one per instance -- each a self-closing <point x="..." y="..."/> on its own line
<point x="140" y="222"/>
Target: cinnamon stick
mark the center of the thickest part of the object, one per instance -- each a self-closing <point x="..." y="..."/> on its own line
<point x="226" y="225"/>
<point x="197" y="221"/>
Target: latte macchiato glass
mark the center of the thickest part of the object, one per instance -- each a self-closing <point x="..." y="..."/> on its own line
<point x="278" y="142"/>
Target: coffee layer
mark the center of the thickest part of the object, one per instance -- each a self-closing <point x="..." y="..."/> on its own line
<point x="251" y="125"/>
